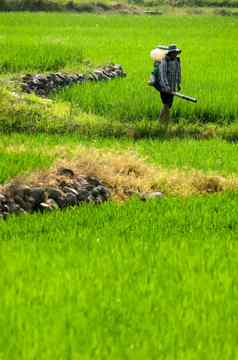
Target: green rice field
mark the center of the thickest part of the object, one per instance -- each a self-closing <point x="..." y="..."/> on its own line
<point x="48" y="42"/>
<point x="154" y="280"/>
<point x="132" y="279"/>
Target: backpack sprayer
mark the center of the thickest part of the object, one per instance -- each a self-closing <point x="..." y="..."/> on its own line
<point x="185" y="97"/>
<point x="158" y="55"/>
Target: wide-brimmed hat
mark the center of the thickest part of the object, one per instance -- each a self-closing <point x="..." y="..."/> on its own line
<point x="162" y="47"/>
<point x="173" y="48"/>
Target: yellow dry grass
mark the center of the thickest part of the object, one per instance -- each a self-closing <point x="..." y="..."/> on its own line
<point x="126" y="173"/>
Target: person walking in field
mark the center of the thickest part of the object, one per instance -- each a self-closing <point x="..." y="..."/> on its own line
<point x="166" y="76"/>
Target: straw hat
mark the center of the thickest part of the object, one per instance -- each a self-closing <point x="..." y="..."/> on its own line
<point x="161" y="51"/>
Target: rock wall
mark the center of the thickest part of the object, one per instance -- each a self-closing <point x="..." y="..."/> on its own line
<point x="42" y="84"/>
<point x="70" y="190"/>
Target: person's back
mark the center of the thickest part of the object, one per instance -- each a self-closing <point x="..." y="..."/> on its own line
<point x="170" y="73"/>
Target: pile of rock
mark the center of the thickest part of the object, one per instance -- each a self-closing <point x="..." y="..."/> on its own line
<point x="69" y="190"/>
<point x="42" y="84"/>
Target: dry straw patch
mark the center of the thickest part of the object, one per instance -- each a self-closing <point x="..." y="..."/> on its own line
<point x="126" y="173"/>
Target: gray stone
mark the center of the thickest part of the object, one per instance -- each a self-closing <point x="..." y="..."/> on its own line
<point x="90" y="77"/>
<point x="2" y="198"/>
<point x="99" y="74"/>
<point x="70" y="199"/>
<point x="45" y="207"/>
<point x="31" y="204"/>
<point x="20" y="190"/>
<point x="151" y="195"/>
<point x="56" y="195"/>
<point x="68" y="189"/>
<point x="80" y="182"/>
<point x="83" y="195"/>
<point x="6" y="208"/>
<point x="99" y="199"/>
<point x="35" y="81"/>
<point x="93" y="180"/>
<point x="20" y="201"/>
<point x="91" y="199"/>
<point x="65" y="172"/>
<point x="38" y="194"/>
<point x="52" y="203"/>
<point x="12" y="205"/>
<point x="102" y="190"/>
<point x="95" y="192"/>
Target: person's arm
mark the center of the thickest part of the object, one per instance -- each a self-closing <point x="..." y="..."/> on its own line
<point x="154" y="78"/>
<point x="179" y="76"/>
<point x="163" y="76"/>
<point x="156" y="70"/>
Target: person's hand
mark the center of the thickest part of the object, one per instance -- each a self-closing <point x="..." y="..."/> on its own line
<point x="152" y="80"/>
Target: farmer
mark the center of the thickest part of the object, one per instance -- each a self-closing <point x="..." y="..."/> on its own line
<point x="166" y="76"/>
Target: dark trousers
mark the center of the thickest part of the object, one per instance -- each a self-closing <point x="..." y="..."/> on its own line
<point x="167" y="99"/>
